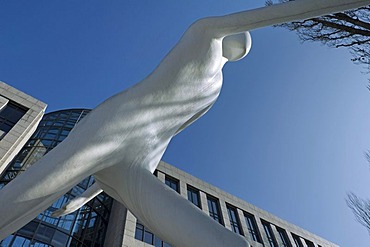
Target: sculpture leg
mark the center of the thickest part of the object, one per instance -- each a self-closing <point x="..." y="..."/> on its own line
<point x="79" y="201"/>
<point x="170" y="216"/>
<point x="32" y="192"/>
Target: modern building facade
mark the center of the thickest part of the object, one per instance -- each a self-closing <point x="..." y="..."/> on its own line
<point x="103" y="221"/>
<point x="259" y="227"/>
<point x="19" y="117"/>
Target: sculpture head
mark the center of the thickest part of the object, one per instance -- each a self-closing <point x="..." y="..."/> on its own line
<point x="236" y="46"/>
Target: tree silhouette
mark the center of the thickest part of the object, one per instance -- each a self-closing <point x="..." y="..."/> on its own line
<point x="349" y="29"/>
<point x="360" y="208"/>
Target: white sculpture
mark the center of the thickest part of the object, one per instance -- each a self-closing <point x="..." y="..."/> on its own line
<point x="123" y="139"/>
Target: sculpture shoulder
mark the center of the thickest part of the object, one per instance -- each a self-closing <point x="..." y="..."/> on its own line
<point x="205" y="27"/>
<point x="212" y="27"/>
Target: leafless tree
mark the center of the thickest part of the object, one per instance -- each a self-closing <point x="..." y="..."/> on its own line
<point x="349" y="29"/>
<point x="360" y="208"/>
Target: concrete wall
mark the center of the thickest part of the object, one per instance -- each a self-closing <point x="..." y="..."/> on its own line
<point x="15" y="139"/>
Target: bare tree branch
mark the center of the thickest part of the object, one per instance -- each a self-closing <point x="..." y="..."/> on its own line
<point x="350" y="30"/>
<point x="360" y="42"/>
<point x="353" y="20"/>
<point x="360" y="208"/>
<point x="341" y="27"/>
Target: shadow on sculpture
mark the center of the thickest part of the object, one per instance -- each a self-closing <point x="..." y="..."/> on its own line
<point x="123" y="139"/>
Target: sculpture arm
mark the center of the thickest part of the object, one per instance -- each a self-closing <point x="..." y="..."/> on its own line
<point x="79" y="201"/>
<point x="277" y="14"/>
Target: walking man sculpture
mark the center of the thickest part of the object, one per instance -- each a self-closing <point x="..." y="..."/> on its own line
<point x="122" y="140"/>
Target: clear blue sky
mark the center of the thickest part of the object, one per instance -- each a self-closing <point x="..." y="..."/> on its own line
<point x="287" y="134"/>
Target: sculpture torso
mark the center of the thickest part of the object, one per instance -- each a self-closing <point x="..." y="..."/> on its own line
<point x="142" y="119"/>
<point x="122" y="140"/>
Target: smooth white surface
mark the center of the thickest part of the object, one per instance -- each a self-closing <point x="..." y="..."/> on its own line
<point x="123" y="139"/>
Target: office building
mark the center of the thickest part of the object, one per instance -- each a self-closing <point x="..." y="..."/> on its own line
<point x="105" y="222"/>
<point x="19" y="117"/>
<point x="259" y="227"/>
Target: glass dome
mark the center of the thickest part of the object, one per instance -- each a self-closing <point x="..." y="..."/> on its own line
<point x="86" y="226"/>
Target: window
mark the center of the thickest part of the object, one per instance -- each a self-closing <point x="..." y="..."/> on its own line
<point x="234" y="219"/>
<point x="269" y="234"/>
<point x="193" y="196"/>
<point x="283" y="237"/>
<point x="9" y="116"/>
<point x="252" y="227"/>
<point x="297" y="240"/>
<point x="309" y="243"/>
<point x="143" y="234"/>
<point x="214" y="209"/>
<point x="172" y="183"/>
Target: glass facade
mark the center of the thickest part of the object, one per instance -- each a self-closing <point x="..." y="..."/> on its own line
<point x="86" y="226"/>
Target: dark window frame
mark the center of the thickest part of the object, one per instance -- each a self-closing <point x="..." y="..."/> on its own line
<point x="194" y="194"/>
<point x="141" y="230"/>
<point x="252" y="227"/>
<point x="309" y="243"/>
<point x="172" y="182"/>
<point x="10" y="114"/>
<point x="214" y="209"/>
<point x="234" y="219"/>
<point x="297" y="240"/>
<point x="284" y="237"/>
<point x="269" y="233"/>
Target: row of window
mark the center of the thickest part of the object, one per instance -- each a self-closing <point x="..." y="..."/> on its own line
<point x="214" y="209"/>
<point x="143" y="234"/>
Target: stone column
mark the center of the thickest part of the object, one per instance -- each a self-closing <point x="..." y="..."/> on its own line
<point x="161" y="176"/>
<point x="225" y="215"/>
<point x="203" y="202"/>
<point x="183" y="189"/>
<point x="116" y="226"/>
